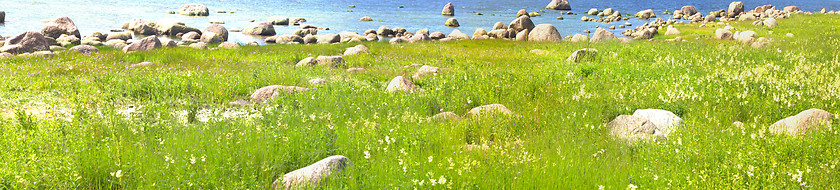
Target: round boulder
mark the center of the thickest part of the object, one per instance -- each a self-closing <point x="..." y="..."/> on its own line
<point x="559" y="5"/>
<point x="401" y="84"/>
<point x="545" y="33"/>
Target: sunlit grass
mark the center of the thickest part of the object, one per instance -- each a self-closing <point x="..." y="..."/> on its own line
<point x="100" y="124"/>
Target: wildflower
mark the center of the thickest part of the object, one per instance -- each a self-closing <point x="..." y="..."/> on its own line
<point x="631" y="187"/>
<point x="431" y="158"/>
<point x="442" y="180"/>
<point x="117" y="174"/>
<point x="601" y="187"/>
<point x="367" y="154"/>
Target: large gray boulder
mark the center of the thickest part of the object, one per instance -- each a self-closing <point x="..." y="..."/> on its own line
<point x="545" y="33"/>
<point x="310" y="176"/>
<point x="602" y="35"/>
<point x="802" y="123"/>
<point x="28" y="42"/>
<point x="59" y="26"/>
<point x="559" y="5"/>
<point x="328" y="38"/>
<point x="458" y="35"/>
<point x="193" y="9"/>
<point x="665" y="121"/>
<point x="522" y="23"/>
<point x="145" y="44"/>
<point x="269" y="92"/>
<point x="211" y="38"/>
<point x="735" y="8"/>
<point x="723" y="34"/>
<point x="218" y="29"/>
<point x="448" y="10"/>
<point x="688" y="10"/>
<point x="645" y="14"/>
<point x="260" y="29"/>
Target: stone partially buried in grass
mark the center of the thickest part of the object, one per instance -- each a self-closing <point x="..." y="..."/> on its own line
<point x="664" y="120"/>
<point x="802" y="123"/>
<point x="358" y="49"/>
<point x="310" y="176"/>
<point x="401" y="84"/>
<point x="584" y="55"/>
<point x="446" y="116"/>
<point x="425" y="70"/>
<point x="487" y="110"/>
<point x="269" y="92"/>
<point x="632" y="128"/>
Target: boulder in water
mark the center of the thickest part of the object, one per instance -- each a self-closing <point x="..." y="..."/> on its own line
<point x="59" y="26"/>
<point x="193" y="9"/>
<point x="559" y="5"/>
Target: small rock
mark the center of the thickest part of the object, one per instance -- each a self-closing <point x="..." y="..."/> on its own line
<point x="267" y="93"/>
<point x="452" y="22"/>
<point x="401" y="84"/>
<point x="446" y="116"/>
<point x="193" y="10"/>
<point x="487" y="110"/>
<point x="448" y="10"/>
<point x="84" y="49"/>
<point x="584" y="55"/>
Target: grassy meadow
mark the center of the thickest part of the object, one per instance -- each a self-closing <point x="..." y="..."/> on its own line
<point x="93" y="122"/>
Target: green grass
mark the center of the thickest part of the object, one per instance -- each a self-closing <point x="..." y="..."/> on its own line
<point x="64" y="122"/>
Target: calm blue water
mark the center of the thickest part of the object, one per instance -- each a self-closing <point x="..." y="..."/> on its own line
<point x="102" y="15"/>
